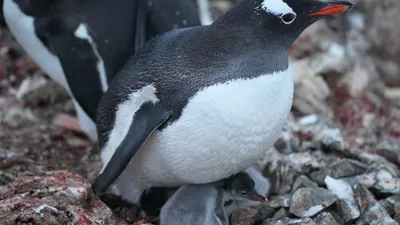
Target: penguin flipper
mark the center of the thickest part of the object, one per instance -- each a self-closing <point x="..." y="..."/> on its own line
<point x="146" y="120"/>
<point x="83" y="70"/>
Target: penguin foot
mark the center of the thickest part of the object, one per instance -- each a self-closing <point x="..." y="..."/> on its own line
<point x="123" y="209"/>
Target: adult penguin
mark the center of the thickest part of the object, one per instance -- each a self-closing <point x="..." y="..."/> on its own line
<point x="81" y="44"/>
<point x="199" y="104"/>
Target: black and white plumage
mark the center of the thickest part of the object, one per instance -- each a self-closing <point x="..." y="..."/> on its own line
<point x="197" y="105"/>
<point x="81" y="44"/>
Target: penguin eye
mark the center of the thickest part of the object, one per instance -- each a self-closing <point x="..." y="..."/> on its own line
<point x="243" y="192"/>
<point x="288" y="18"/>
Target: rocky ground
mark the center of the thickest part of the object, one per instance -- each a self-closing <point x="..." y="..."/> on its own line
<point x="337" y="162"/>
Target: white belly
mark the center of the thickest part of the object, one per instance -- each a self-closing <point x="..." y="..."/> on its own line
<point x="223" y="130"/>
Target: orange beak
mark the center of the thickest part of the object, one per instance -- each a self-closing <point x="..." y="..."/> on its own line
<point x="333" y="9"/>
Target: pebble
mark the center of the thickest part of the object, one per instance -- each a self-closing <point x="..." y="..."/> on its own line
<point x="371" y="211"/>
<point x="308" y="202"/>
<point x="343" y="168"/>
<point x="280" y="201"/>
<point x="287" y="144"/>
<point x="325" y="218"/>
<point x="390" y="150"/>
<point x="16" y="117"/>
<point x="287" y="221"/>
<point x="282" y="213"/>
<point x="345" y="204"/>
<point x="251" y="215"/>
<point x="390" y="204"/>
<point x="387" y="187"/>
<point x="303" y="181"/>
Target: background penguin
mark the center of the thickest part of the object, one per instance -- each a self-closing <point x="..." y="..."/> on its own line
<point x="199" y="104"/>
<point x="244" y="189"/>
<point x="81" y="44"/>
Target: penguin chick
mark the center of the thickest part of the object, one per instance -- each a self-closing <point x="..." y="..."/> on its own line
<point x="241" y="186"/>
<point x="201" y="204"/>
<point x="243" y="189"/>
<point x="234" y="200"/>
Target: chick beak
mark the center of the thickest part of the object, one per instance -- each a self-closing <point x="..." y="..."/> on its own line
<point x="332" y="8"/>
<point x="255" y="196"/>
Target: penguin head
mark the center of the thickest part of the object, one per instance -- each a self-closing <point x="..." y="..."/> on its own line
<point x="242" y="186"/>
<point x="287" y="19"/>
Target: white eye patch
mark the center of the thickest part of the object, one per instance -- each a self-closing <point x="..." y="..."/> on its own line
<point x="279" y="8"/>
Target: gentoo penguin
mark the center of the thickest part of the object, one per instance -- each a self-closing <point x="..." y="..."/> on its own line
<point x="201" y="204"/>
<point x="197" y="105"/>
<point x="243" y="189"/>
<point x="81" y="44"/>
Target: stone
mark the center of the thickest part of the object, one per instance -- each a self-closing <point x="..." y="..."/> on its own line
<point x="325" y="218"/>
<point x="251" y="215"/>
<point x="387" y="187"/>
<point x="303" y="181"/>
<point x="282" y="213"/>
<point x="279" y="172"/>
<point x="332" y="140"/>
<point x="287" y="144"/>
<point x="371" y="211"/>
<point x="287" y="221"/>
<point x="390" y="203"/>
<point x="308" y="202"/>
<point x="376" y="215"/>
<point x="346" y="205"/>
<point x="343" y="168"/>
<point x="390" y="150"/>
<point x="280" y="201"/>
<point x="367" y="180"/>
<point x="17" y="117"/>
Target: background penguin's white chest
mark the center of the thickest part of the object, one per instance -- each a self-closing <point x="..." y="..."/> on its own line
<point x="224" y="129"/>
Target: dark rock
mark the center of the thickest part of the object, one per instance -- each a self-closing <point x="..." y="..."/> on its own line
<point x="389" y="204"/>
<point x="282" y="213"/>
<point x="303" y="181"/>
<point x="287" y="143"/>
<point x="390" y="150"/>
<point x="332" y="140"/>
<point x="343" y="168"/>
<point x="325" y="218"/>
<point x="387" y="187"/>
<point x="371" y="211"/>
<point x="309" y="201"/>
<point x="252" y="215"/>
<point x="281" y="174"/>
